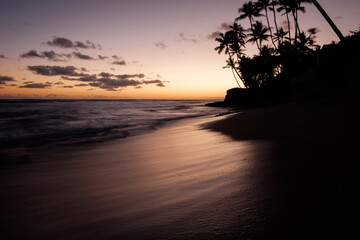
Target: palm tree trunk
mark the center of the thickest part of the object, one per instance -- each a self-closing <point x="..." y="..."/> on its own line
<point x="275" y="22"/>
<point x="328" y="19"/>
<point x="232" y="69"/>
<point x="251" y="26"/>
<point x="271" y="35"/>
<point x="297" y="21"/>
<point x="288" y="20"/>
<point x="297" y="29"/>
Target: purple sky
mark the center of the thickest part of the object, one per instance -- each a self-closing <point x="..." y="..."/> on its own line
<point x="164" y="40"/>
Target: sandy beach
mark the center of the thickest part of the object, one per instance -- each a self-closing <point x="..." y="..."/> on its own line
<point x="282" y="172"/>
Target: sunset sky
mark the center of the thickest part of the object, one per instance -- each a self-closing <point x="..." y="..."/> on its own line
<point x="129" y="48"/>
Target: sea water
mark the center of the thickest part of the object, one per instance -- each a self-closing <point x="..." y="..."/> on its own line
<point x="35" y="123"/>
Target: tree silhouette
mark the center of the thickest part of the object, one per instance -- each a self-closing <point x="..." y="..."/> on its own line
<point x="264" y="5"/>
<point x="225" y="41"/>
<point x="258" y="34"/>
<point x="249" y="10"/>
<point x="284" y="6"/>
<point x="328" y="19"/>
<point x="273" y="9"/>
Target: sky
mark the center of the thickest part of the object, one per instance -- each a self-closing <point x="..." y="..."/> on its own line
<point x="138" y="49"/>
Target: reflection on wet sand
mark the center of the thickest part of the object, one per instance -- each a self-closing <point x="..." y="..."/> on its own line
<point x="176" y="183"/>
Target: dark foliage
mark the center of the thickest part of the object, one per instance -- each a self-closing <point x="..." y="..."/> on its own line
<point x="276" y="71"/>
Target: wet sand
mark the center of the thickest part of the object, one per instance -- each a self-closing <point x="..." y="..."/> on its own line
<point x="315" y="154"/>
<point x="179" y="182"/>
<point x="229" y="179"/>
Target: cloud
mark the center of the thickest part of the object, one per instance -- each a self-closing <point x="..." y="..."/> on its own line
<point x="67" y="43"/>
<point x="82" y="56"/>
<point x="81" y="85"/>
<point x="338" y="18"/>
<point x="186" y="39"/>
<point x="111" y="82"/>
<point x="2" y="56"/>
<point x="213" y="35"/>
<point x="225" y="26"/>
<point x="5" y="79"/>
<point x="102" y="57"/>
<point x="55" y="70"/>
<point x="37" y="85"/>
<point x="121" y="63"/>
<point x="61" y="42"/>
<point x="59" y="83"/>
<point x="127" y="76"/>
<point x="284" y="25"/>
<point x="103" y="80"/>
<point x="161" y="45"/>
<point x="50" y="55"/>
<point x="67" y="86"/>
<point x="158" y="83"/>
<point x="30" y="54"/>
<point x="86" y="78"/>
<point x="116" y="57"/>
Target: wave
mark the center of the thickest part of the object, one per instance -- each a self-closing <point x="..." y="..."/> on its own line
<point x="39" y="123"/>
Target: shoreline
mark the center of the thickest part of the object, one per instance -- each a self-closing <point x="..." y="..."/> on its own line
<point x="203" y="178"/>
<point x="315" y="152"/>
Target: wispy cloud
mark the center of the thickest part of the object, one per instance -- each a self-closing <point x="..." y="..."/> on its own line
<point x="36" y="85"/>
<point x="82" y="56"/>
<point x="67" y="43"/>
<point x="5" y="79"/>
<point x="121" y="63"/>
<point x="223" y="27"/>
<point x="55" y="70"/>
<point x="183" y="37"/>
<point x="2" y="56"/>
<point x="103" y="80"/>
<point x="161" y="45"/>
<point x="102" y="57"/>
<point x="50" y="55"/>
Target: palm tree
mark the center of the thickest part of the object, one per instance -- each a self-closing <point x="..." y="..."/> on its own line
<point x="295" y="7"/>
<point x="265" y="4"/>
<point x="231" y="64"/>
<point x="328" y="19"/>
<point x="280" y="35"/>
<point x="238" y="37"/>
<point x="273" y="9"/>
<point x="258" y="34"/>
<point x="249" y="10"/>
<point x="225" y="41"/>
<point x="284" y="6"/>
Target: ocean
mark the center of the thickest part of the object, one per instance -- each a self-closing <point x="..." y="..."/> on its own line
<point x="34" y="124"/>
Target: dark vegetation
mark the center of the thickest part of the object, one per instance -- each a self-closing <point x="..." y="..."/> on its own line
<point x="290" y="65"/>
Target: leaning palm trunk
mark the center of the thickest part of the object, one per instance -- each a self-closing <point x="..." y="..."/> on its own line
<point x="252" y="28"/>
<point x="328" y="19"/>
<point x="233" y="68"/>
<point x="296" y="25"/>
<point x="275" y="21"/>
<point x="288" y="20"/>
<point x="271" y="35"/>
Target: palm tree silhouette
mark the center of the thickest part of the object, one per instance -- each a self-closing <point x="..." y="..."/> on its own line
<point x="231" y="64"/>
<point x="280" y="35"/>
<point x="295" y="7"/>
<point x="225" y="41"/>
<point x="258" y="34"/>
<point x="249" y="10"/>
<point x="328" y="19"/>
<point x="264" y="5"/>
<point x="284" y="6"/>
<point x="273" y="9"/>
